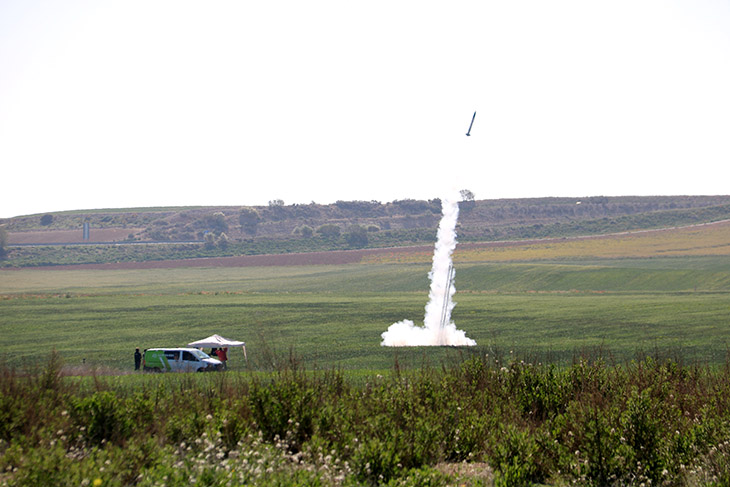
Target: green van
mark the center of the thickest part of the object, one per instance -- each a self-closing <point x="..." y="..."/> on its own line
<point x="179" y="360"/>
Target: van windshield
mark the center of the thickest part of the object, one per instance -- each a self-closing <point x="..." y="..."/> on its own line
<point x="200" y="354"/>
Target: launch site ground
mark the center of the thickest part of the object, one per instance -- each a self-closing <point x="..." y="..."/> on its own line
<point x="657" y="292"/>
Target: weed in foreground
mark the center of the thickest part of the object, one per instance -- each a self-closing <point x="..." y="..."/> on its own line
<point x="649" y="422"/>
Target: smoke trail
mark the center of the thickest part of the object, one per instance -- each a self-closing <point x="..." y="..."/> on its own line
<point x="438" y="328"/>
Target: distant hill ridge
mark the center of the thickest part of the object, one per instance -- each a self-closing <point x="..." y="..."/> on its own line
<point x="191" y="232"/>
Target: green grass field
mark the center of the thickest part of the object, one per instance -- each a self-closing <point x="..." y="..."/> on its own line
<point x="332" y="316"/>
<point x="457" y="417"/>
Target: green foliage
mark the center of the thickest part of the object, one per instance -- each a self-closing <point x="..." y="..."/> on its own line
<point x="376" y="461"/>
<point x="466" y="195"/>
<point x="362" y="208"/>
<point x="415" y="207"/>
<point x="222" y="241"/>
<point x="515" y="457"/>
<point x="209" y="239"/>
<point x="101" y="253"/>
<point x="330" y="231"/>
<point x="652" y="421"/>
<point x="214" y="222"/>
<point x="356" y="236"/>
<point x="285" y="408"/>
<point x="304" y="230"/>
<point x="104" y="418"/>
<point x="422" y="477"/>
<point x="3" y="242"/>
<point x="249" y="218"/>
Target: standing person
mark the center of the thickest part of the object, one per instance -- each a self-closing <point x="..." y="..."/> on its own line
<point x="223" y="356"/>
<point x="137" y="358"/>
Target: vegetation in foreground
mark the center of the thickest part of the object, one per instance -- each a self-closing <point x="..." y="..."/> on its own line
<point x="650" y="422"/>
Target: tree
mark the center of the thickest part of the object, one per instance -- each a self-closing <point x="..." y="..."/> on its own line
<point x="222" y="241"/>
<point x="3" y="243"/>
<point x="277" y="210"/>
<point x="361" y="208"/>
<point x="410" y="207"/>
<point x="209" y="238"/>
<point x="329" y="230"/>
<point x="218" y="222"/>
<point x="46" y="219"/>
<point x="249" y="219"/>
<point x="356" y="236"/>
<point x="215" y="223"/>
<point x="467" y="201"/>
<point x="304" y="230"/>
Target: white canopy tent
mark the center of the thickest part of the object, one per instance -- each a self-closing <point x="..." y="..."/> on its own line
<point x="217" y="341"/>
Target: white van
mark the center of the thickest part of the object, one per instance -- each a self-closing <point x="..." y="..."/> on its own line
<point x="179" y="360"/>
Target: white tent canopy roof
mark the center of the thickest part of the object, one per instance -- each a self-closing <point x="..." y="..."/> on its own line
<point x="216" y="341"/>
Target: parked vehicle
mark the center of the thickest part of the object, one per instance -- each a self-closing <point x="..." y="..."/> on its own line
<point x="179" y="360"/>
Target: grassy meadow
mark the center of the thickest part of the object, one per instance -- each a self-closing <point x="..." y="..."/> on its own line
<point x="343" y="330"/>
<point x="625" y="296"/>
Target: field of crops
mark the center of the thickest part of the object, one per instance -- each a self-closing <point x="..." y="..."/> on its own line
<point x="344" y="330"/>
<point x="624" y="296"/>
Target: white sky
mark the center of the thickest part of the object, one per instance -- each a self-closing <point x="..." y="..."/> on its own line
<point x="159" y="103"/>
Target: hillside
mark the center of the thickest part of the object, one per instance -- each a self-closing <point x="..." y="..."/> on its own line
<point x="195" y="232"/>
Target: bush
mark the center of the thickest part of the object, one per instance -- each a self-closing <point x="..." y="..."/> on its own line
<point x="284" y="409"/>
<point x="304" y="231"/>
<point x="514" y="457"/>
<point x="588" y="424"/>
<point x="103" y="417"/>
<point x="376" y="462"/>
<point x="330" y="231"/>
<point x="3" y="243"/>
<point x="356" y="237"/>
<point x="249" y="218"/>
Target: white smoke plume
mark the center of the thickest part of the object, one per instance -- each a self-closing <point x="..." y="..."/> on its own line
<point x="438" y="329"/>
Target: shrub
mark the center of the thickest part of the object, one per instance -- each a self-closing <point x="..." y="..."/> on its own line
<point x="209" y="239"/>
<point x="514" y="457"/>
<point x="356" y="236"/>
<point x="249" y="218"/>
<point x="284" y="409"/>
<point x="588" y="424"/>
<point x="329" y="230"/>
<point x="304" y="230"/>
<point x="222" y="241"/>
<point x="103" y="418"/>
<point x="376" y="462"/>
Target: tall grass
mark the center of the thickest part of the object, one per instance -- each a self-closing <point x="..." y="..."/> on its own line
<point x="651" y="421"/>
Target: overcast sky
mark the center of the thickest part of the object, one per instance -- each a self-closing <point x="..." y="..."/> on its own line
<point x="107" y="104"/>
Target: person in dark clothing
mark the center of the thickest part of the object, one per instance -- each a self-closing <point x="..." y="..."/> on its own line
<point x="137" y="359"/>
